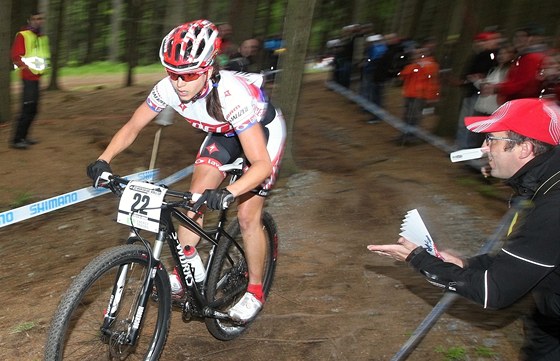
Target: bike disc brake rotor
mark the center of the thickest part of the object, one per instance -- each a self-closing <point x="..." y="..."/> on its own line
<point x="119" y="349"/>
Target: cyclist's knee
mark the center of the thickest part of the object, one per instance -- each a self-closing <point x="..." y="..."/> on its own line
<point x="246" y="223"/>
<point x="249" y="218"/>
<point x="249" y="211"/>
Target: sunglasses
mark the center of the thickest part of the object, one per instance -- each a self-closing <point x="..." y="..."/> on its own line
<point x="184" y="77"/>
<point x="489" y="138"/>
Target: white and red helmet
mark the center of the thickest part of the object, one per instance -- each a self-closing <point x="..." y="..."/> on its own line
<point x="190" y="47"/>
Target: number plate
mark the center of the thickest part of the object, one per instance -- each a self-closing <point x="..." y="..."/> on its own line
<point x="140" y="205"/>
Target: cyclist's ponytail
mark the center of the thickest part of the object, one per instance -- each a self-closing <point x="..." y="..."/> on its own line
<point x="213" y="103"/>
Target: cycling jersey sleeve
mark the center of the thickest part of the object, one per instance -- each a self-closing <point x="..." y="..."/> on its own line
<point x="158" y="99"/>
<point x="243" y="100"/>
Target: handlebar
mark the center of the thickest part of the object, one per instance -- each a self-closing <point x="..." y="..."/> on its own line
<point x="116" y="184"/>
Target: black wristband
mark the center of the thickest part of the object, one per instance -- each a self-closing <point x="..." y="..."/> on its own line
<point x="414" y="252"/>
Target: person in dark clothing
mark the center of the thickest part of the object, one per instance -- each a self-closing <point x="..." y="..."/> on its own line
<point x="482" y="61"/>
<point x="521" y="143"/>
<point x="394" y="59"/>
<point x="374" y="51"/>
<point x="379" y="77"/>
<point x="30" y="54"/>
<point x="344" y="53"/>
<point x="244" y="59"/>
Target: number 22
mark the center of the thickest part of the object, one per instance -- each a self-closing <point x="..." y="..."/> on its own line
<point x="137" y="207"/>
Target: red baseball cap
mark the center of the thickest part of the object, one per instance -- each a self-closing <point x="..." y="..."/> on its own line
<point x="534" y="118"/>
<point x="487" y="35"/>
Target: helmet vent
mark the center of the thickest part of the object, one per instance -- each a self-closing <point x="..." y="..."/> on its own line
<point x="177" y="52"/>
<point x="201" y="48"/>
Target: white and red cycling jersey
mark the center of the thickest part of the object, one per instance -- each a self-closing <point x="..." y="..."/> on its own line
<point x="244" y="105"/>
<point x="243" y="102"/>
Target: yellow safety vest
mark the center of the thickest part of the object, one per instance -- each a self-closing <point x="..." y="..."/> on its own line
<point x="37" y="52"/>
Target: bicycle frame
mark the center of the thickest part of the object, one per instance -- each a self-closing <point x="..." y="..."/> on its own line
<point x="196" y="303"/>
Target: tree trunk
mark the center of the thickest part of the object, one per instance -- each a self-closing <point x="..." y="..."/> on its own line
<point x="319" y="16"/>
<point x="242" y="19"/>
<point x="92" y="15"/>
<point x="134" y="13"/>
<point x="55" y="42"/>
<point x="114" y="41"/>
<point x="297" y="28"/>
<point x="416" y="15"/>
<point x="5" y="62"/>
<point x="173" y="15"/>
<point x="461" y="52"/>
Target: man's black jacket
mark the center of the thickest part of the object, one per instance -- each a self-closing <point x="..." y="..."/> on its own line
<point x="529" y="259"/>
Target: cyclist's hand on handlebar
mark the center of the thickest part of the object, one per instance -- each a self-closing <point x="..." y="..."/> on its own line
<point x="217" y="199"/>
<point x="95" y="169"/>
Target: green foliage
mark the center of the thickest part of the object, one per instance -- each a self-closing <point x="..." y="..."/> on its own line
<point x="22" y="199"/>
<point x="483" y="351"/>
<point x="458" y="353"/>
<point x="452" y="353"/>
<point x="22" y="327"/>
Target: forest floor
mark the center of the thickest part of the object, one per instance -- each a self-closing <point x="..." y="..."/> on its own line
<point x="332" y="299"/>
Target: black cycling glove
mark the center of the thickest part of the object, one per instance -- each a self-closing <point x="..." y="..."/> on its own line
<point x="95" y="169"/>
<point x="217" y="199"/>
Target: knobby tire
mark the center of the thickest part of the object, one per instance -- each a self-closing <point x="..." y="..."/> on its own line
<point x="75" y="333"/>
<point x="228" y="276"/>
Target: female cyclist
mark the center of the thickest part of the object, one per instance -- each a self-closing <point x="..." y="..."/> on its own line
<point x="232" y="109"/>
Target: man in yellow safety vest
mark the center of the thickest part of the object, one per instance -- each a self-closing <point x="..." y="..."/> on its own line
<point x="30" y="54"/>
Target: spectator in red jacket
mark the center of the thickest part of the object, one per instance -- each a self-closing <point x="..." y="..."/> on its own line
<point x="550" y="75"/>
<point x="522" y="80"/>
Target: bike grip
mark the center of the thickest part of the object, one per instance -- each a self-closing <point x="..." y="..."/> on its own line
<point x="227" y="201"/>
<point x="106" y="176"/>
<point x="196" y="196"/>
<point x="102" y="180"/>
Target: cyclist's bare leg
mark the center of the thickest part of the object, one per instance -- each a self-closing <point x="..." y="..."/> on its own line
<point x="204" y="177"/>
<point x="249" y="213"/>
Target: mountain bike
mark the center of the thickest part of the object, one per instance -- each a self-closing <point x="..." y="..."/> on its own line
<point x="119" y="306"/>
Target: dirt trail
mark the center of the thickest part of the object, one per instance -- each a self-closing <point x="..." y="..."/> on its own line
<point x="332" y="299"/>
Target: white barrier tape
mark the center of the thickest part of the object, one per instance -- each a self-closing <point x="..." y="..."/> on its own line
<point x="52" y="204"/>
<point x="390" y="119"/>
<point x="177" y="176"/>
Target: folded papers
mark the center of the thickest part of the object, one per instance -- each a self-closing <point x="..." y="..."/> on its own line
<point x="414" y="230"/>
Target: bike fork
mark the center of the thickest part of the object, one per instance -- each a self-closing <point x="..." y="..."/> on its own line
<point x="139" y="306"/>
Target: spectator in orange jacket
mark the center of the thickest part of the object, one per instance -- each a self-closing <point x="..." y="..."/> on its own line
<point x="420" y="87"/>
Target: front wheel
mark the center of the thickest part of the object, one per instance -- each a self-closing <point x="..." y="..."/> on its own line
<point x="80" y="329"/>
<point x="228" y="276"/>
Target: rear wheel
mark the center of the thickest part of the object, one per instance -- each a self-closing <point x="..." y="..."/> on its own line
<point x="228" y="276"/>
<point x="77" y="332"/>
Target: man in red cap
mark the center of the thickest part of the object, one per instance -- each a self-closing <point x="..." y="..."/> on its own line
<point x="521" y="145"/>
